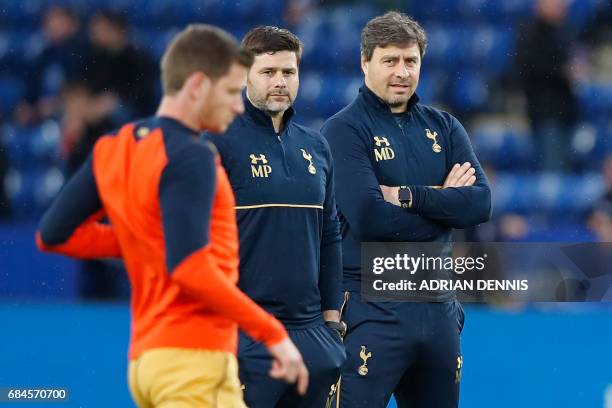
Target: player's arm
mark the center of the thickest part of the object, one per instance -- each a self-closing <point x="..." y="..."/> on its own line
<point x="359" y="197"/>
<point x="71" y="226"/>
<point x="186" y="193"/>
<point x="287" y="362"/>
<point x="330" y="276"/>
<point x="457" y="207"/>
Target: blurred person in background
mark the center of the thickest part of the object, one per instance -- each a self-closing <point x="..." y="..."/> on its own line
<point x="593" y="57"/>
<point x="607" y="176"/>
<point x="600" y="221"/>
<point x="600" y="217"/>
<point x="60" y="59"/>
<point x="85" y="118"/>
<point x="116" y="68"/>
<point x="5" y="208"/>
<point x="544" y="73"/>
<point x="598" y="32"/>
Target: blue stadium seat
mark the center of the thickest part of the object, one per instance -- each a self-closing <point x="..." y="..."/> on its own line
<point x="441" y="11"/>
<point x="558" y="231"/>
<point x="592" y="142"/>
<point x="11" y="92"/>
<point x="491" y="49"/>
<point x="34" y="147"/>
<point x="5" y="51"/>
<point x="450" y="11"/>
<point x="32" y="190"/>
<point x="432" y="86"/>
<point x="154" y="40"/>
<point x="256" y="10"/>
<point x="153" y="12"/>
<point x="312" y="34"/>
<point x="324" y="96"/>
<point x="546" y="193"/>
<point x="503" y="147"/>
<point x="219" y="12"/>
<point x="17" y="46"/>
<point x="482" y="48"/>
<point x="581" y="12"/>
<point x="331" y="38"/>
<point x="502" y="10"/>
<point x="19" y="13"/>
<point x="471" y="91"/>
<point x="596" y="99"/>
<point x="440" y="42"/>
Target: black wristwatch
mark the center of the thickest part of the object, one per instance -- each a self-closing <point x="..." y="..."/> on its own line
<point x="405" y="197"/>
<point x="340" y="327"/>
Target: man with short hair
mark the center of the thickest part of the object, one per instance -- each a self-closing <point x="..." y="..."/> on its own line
<point x="172" y="220"/>
<point x="404" y="172"/>
<point x="116" y="68"/>
<point x="290" y="259"/>
<point x="58" y="60"/>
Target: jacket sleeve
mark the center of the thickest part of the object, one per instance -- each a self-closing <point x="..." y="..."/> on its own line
<point x="358" y="193"/>
<point x="459" y="207"/>
<point x="187" y="193"/>
<point x="330" y="275"/>
<point x="72" y="227"/>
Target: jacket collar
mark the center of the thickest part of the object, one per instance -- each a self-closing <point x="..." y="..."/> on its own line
<point x="175" y="125"/>
<point x="373" y="100"/>
<point x="262" y="118"/>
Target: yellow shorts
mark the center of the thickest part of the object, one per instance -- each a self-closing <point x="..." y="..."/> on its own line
<point x="177" y="378"/>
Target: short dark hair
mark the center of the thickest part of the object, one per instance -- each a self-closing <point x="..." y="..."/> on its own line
<point x="392" y="28"/>
<point x="270" y="39"/>
<point x="62" y="9"/>
<point x="114" y="18"/>
<point x="200" y="48"/>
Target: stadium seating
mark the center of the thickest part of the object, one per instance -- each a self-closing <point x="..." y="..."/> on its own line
<point x="471" y="46"/>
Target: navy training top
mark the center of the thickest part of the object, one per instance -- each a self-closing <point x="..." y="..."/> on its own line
<point x="371" y="147"/>
<point x="290" y="244"/>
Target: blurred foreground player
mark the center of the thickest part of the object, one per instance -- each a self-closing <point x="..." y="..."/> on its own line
<point x="290" y="259"/>
<point x="404" y="172"/>
<point x="172" y="221"/>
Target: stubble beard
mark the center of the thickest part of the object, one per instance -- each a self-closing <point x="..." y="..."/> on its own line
<point x="397" y="101"/>
<point x="270" y="107"/>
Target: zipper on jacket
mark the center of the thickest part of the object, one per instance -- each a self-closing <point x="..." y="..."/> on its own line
<point x="283" y="151"/>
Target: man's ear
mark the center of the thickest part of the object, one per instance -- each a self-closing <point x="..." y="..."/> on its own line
<point x="364" y="65"/>
<point x="197" y="84"/>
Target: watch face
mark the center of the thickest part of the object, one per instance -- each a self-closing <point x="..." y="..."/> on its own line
<point x="404" y="194"/>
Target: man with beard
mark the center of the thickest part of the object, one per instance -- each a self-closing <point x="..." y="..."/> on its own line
<point x="290" y="259"/>
<point x="404" y="172"/>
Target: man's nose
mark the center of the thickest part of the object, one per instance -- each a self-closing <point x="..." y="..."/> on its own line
<point x="402" y="71"/>
<point x="279" y="80"/>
